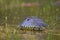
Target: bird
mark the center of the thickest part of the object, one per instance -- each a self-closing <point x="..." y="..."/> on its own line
<point x="33" y="22"/>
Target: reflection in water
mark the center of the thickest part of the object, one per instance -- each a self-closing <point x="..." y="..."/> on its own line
<point x="30" y="35"/>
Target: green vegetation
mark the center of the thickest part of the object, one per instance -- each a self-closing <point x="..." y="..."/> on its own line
<point x="12" y="13"/>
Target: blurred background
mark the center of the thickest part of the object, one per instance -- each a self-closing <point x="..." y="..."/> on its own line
<point x="13" y="12"/>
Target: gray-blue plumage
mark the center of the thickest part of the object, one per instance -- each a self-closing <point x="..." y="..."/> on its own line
<point x="32" y="21"/>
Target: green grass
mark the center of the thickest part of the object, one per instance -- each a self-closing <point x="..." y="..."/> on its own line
<point x="16" y="14"/>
